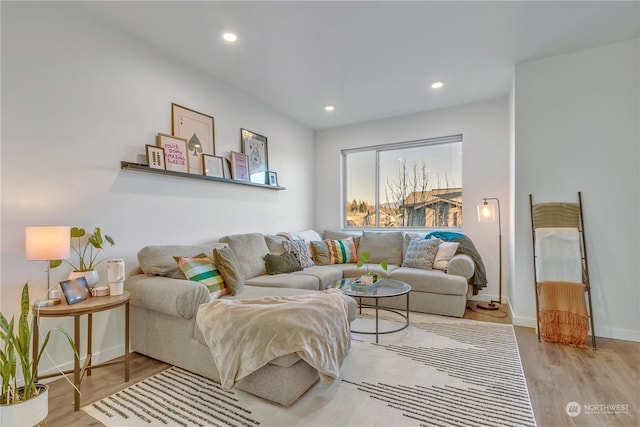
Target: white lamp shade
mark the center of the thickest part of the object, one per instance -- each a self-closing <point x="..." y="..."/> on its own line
<point x="47" y="243"/>
<point x="486" y="213"/>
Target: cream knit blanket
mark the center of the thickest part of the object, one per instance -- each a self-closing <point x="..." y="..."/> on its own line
<point x="245" y="335"/>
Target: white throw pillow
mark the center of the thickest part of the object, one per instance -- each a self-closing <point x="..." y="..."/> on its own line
<point x="446" y="251"/>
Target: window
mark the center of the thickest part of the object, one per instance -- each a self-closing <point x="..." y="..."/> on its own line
<point x="405" y="185"/>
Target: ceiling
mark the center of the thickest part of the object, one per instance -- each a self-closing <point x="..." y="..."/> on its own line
<point x="369" y="59"/>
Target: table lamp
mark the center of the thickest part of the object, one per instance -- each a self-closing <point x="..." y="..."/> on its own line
<point x="487" y="213"/>
<point x="46" y="244"/>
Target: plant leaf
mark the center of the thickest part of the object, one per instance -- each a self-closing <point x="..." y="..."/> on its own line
<point x="384" y="266"/>
<point x="77" y="232"/>
<point x="55" y="263"/>
<point x="109" y="239"/>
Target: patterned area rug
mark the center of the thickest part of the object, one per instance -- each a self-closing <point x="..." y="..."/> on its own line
<point x="437" y="372"/>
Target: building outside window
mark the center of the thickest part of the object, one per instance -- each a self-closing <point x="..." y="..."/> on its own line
<point x="415" y="184"/>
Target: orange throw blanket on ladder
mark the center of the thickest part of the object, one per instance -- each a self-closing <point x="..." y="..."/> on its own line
<point x="563" y="313"/>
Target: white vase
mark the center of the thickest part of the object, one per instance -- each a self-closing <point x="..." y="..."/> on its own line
<point x="28" y="413"/>
<point x="91" y="276"/>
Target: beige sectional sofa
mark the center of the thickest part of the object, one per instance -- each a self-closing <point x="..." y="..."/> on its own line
<point x="164" y="303"/>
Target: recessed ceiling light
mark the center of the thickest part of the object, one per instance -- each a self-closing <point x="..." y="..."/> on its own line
<point x="437" y="85"/>
<point x="329" y="108"/>
<point x="230" y="37"/>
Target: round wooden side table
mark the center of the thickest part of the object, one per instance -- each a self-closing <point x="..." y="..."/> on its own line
<point x="89" y="306"/>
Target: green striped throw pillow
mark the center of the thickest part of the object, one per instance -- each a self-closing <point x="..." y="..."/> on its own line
<point x="342" y="251"/>
<point x="202" y="270"/>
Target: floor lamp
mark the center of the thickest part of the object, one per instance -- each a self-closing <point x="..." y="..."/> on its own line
<point x="487" y="213"/>
<point x="46" y="244"/>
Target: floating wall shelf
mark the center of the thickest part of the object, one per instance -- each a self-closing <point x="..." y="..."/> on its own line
<point x="142" y="168"/>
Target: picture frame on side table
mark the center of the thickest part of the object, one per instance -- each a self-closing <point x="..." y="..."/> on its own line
<point x="176" y="157"/>
<point x="255" y="146"/>
<point x="272" y="178"/>
<point x="213" y="166"/>
<point x="155" y="157"/>
<point x="198" y="130"/>
<point x="239" y="166"/>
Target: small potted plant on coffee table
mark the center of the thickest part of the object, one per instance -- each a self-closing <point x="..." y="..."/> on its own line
<point x="371" y="277"/>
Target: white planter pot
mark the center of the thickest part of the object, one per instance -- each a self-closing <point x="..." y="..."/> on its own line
<point x="91" y="276"/>
<point x="27" y="413"/>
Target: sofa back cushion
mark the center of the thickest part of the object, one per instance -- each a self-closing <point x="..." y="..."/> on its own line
<point x="338" y="235"/>
<point x="274" y="243"/>
<point x="250" y="250"/>
<point x="160" y="261"/>
<point x="382" y="246"/>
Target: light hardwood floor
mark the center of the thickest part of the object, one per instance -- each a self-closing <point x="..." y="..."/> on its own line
<point x="556" y="375"/>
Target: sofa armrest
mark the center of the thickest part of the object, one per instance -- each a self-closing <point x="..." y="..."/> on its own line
<point x="175" y="297"/>
<point x="461" y="265"/>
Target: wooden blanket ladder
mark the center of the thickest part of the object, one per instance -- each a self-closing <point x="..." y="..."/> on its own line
<point x="554" y="214"/>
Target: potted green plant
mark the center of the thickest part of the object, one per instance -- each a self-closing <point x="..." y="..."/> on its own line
<point x="370" y="277"/>
<point x="26" y="403"/>
<point x="87" y="247"/>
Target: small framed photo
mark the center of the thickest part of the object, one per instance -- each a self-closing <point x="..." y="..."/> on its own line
<point x="272" y="178"/>
<point x="75" y="290"/>
<point x="155" y="157"/>
<point x="175" y="152"/>
<point x="255" y="146"/>
<point x="239" y="166"/>
<point x="213" y="166"/>
<point x="197" y="129"/>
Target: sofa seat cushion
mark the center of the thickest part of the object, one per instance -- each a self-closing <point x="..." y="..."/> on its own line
<point x="289" y="280"/>
<point x="250" y="250"/>
<point x="325" y="274"/>
<point x="432" y="281"/>
<point x="382" y="246"/>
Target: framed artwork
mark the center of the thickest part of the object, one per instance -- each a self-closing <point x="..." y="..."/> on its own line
<point x="273" y="178"/>
<point x="175" y="152"/>
<point x="155" y="157"/>
<point x="239" y="166"/>
<point x="75" y="290"/>
<point x="197" y="129"/>
<point x="255" y="146"/>
<point x="213" y="166"/>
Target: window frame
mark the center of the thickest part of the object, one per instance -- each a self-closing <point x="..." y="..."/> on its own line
<point x="456" y="138"/>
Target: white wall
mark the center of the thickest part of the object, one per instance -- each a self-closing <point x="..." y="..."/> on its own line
<point x="576" y="129"/>
<point x="484" y="128"/>
<point x="77" y="98"/>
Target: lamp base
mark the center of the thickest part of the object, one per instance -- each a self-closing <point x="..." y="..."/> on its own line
<point x="488" y="305"/>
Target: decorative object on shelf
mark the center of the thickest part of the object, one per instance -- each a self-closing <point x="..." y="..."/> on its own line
<point x="487" y="213"/>
<point x="155" y="157"/>
<point x="115" y="276"/>
<point x="213" y="166"/>
<point x="47" y="244"/>
<point x="370" y="276"/>
<point x="84" y="248"/>
<point x="227" y="168"/>
<point x="175" y="152"/>
<point x="240" y="166"/>
<point x="272" y="178"/>
<point x="75" y="290"/>
<point x="197" y="129"/>
<point x="28" y="404"/>
<point x="255" y="146"/>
